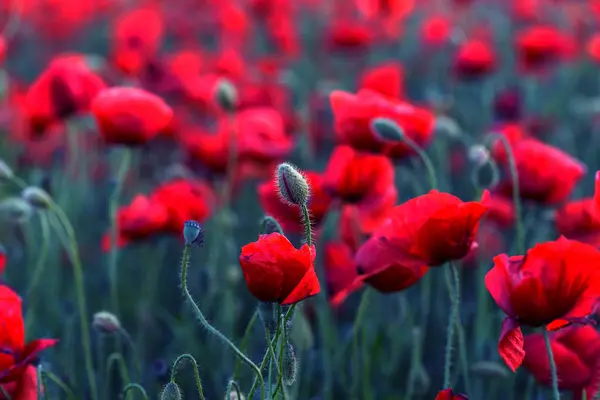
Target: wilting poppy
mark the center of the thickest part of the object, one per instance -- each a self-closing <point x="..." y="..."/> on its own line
<point x="448" y="394"/>
<point x="340" y="272"/>
<point x="555" y="284"/>
<point x="576" y="353"/>
<point x="275" y="271"/>
<point x="16" y="356"/>
<point x="130" y="116"/>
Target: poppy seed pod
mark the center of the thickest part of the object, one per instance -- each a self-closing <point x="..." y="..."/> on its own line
<point x="171" y="392"/>
<point x="226" y="95"/>
<point x="37" y="197"/>
<point x="386" y="129"/>
<point x="270" y="225"/>
<point x="105" y="322"/>
<point x="292" y="185"/>
<point x="193" y="233"/>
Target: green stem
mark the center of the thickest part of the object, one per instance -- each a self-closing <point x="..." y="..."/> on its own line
<point x="123" y="373"/>
<point x="424" y="158"/>
<point x="358" y="321"/>
<point x="307" y="224"/>
<point x="451" y="273"/>
<point x="209" y="327"/>
<point x="191" y="359"/>
<point x="134" y="386"/>
<point x="244" y="344"/>
<point x="80" y="294"/>
<point x="234" y="385"/>
<point x="553" y="373"/>
<point x="38" y="270"/>
<point x="59" y="382"/>
<point x="516" y="194"/>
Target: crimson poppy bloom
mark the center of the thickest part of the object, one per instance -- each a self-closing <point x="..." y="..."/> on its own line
<point x="65" y="88"/>
<point x="275" y="271"/>
<point x="130" y="116"/>
<point x="475" y="59"/>
<point x="340" y="272"/>
<point x="448" y="394"/>
<point x="579" y="220"/>
<point x="353" y="114"/>
<point x="539" y="46"/>
<point x="546" y="174"/>
<point x="346" y="35"/>
<point x="436" y="30"/>
<point x="138" y="221"/>
<point x="24" y="388"/>
<point x="2" y="259"/>
<point x="288" y="215"/>
<point x="501" y="211"/>
<point x="576" y="353"/>
<point x="16" y="356"/>
<point x="386" y="79"/>
<point x="555" y="284"/>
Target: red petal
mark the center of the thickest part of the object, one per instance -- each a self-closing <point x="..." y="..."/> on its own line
<point x="510" y="345"/>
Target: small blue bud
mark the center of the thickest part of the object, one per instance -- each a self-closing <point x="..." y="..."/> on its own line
<point x="193" y="233"/>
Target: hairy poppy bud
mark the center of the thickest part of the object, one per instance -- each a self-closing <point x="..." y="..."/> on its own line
<point x="479" y="155"/>
<point x="226" y="95"/>
<point x="386" y="129"/>
<point x="290" y="365"/>
<point x="16" y="209"/>
<point x="36" y="197"/>
<point x="270" y="225"/>
<point x="6" y="172"/>
<point x="171" y="392"/>
<point x="292" y="186"/>
<point x="105" y="322"/>
<point x="193" y="233"/>
<point x="267" y="316"/>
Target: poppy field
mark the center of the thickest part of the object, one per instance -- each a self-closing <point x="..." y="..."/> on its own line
<point x="299" y="199"/>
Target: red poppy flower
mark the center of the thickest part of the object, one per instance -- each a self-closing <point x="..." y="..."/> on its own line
<point x="15" y="356"/>
<point x="538" y="46"/>
<point x="2" y="259"/>
<point x="593" y="47"/>
<point x="138" y="221"/>
<point x="448" y="394"/>
<point x="385" y="79"/>
<point x="353" y="114"/>
<point x="501" y="211"/>
<point x="346" y="35"/>
<point x="358" y="178"/>
<point x="65" y="88"/>
<point x="576" y="353"/>
<point x="275" y="271"/>
<point x="435" y="31"/>
<point x="490" y="241"/>
<point x="288" y="215"/>
<point x="340" y="272"/>
<point x="579" y="220"/>
<point x="130" y="116"/>
<point x="185" y="200"/>
<point x="546" y="174"/>
<point x="553" y="285"/>
<point x="24" y="388"/>
<point x="475" y="59"/>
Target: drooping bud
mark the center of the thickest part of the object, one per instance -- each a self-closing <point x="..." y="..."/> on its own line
<point x="267" y="316"/>
<point x="171" y="392"/>
<point x="289" y="364"/>
<point x="106" y="323"/>
<point x="234" y="392"/>
<point x="270" y="225"/>
<point x="478" y="155"/>
<point x="489" y="369"/>
<point x="226" y="95"/>
<point x="193" y="233"/>
<point x="386" y="129"/>
<point x="6" y="172"/>
<point x="293" y="187"/>
<point x="37" y="197"/>
<point x="16" y="209"/>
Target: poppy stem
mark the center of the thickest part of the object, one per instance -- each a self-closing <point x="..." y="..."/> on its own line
<point x="192" y="360"/>
<point x="59" y="382"/>
<point x="453" y="283"/>
<point x="553" y="373"/>
<point x="233" y="385"/>
<point x="245" y="339"/>
<point x="358" y="322"/>
<point x="80" y="294"/>
<point x="198" y="313"/>
<point x="307" y="224"/>
<point x="38" y="270"/>
<point x="424" y="158"/>
<point x="516" y="194"/>
<point x="134" y="386"/>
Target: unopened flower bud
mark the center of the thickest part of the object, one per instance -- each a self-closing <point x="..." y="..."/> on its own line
<point x="386" y="129"/>
<point x="16" y="209"/>
<point x="171" y="392"/>
<point x="193" y="233"/>
<point x="105" y="322"/>
<point x="37" y="197"/>
<point x="6" y="172"/>
<point x="489" y="369"/>
<point x="226" y="95"/>
<point x="289" y="364"/>
<point x="292" y="186"/>
<point x="478" y="155"/>
<point x="270" y="225"/>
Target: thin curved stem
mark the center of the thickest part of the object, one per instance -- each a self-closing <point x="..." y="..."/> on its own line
<point x="59" y="382"/>
<point x="191" y="359"/>
<point x="244" y="343"/>
<point x="80" y="294"/>
<point x="134" y="386"/>
<point x="38" y="270"/>
<point x="424" y="158"/>
<point x="307" y="225"/>
<point x="234" y="385"/>
<point x="553" y="373"/>
<point x="123" y="372"/>
<point x="209" y="327"/>
<point x="451" y="275"/>
<point x="358" y="321"/>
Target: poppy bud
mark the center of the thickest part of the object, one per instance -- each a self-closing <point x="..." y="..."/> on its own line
<point x="226" y="95"/>
<point x="37" y="197"/>
<point x="292" y="186"/>
<point x="6" y="172"/>
<point x="193" y="233"/>
<point x="16" y="209"/>
<point x="270" y="225"/>
<point x="489" y="369"/>
<point x="265" y="311"/>
<point x="386" y="129"/>
<point x="233" y="395"/>
<point x="479" y="155"/>
<point x="289" y="364"/>
<point x="171" y="392"/>
<point x="105" y="322"/>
